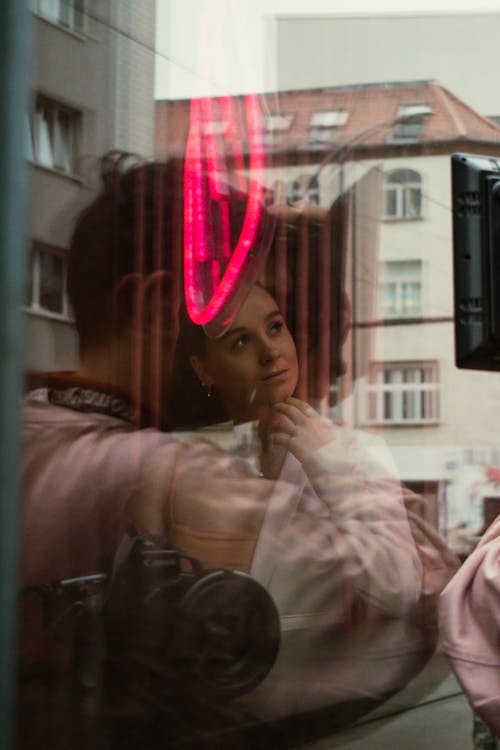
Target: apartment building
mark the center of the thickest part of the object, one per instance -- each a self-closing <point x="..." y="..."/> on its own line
<point x="92" y="91"/>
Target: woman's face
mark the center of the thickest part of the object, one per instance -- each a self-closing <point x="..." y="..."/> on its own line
<point x="254" y="363"/>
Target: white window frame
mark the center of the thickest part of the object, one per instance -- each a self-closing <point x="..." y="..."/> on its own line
<point x="48" y="144"/>
<point x="305" y="187"/>
<point x="401" y="280"/>
<point x="275" y="122"/>
<point x="417" y="109"/>
<point x="62" y="13"/>
<point x="409" y="122"/>
<point x="409" y="401"/>
<point x="402" y="190"/>
<point x="34" y="305"/>
<point x="329" y="118"/>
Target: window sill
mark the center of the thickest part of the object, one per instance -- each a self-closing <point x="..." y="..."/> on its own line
<point x="403" y="317"/>
<point x="56" y="172"/>
<point x="47" y="315"/>
<point x="404" y="423"/>
<point x="392" y="219"/>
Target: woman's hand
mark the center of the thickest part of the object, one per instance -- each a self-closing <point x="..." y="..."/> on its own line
<point x="299" y="428"/>
<point x="272" y="455"/>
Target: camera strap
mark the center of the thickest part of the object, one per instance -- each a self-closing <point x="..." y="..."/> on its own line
<point x="73" y="391"/>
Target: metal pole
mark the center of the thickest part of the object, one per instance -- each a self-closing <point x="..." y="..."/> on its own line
<point x="14" y="66"/>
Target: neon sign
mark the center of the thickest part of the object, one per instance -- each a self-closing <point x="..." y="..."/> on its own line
<point x="213" y="270"/>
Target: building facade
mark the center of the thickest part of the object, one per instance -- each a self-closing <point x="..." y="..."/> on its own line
<point x="73" y="120"/>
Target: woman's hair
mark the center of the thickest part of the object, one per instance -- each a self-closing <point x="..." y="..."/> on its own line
<point x="189" y="405"/>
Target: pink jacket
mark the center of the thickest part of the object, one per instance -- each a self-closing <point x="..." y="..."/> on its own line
<point x="354" y="575"/>
<point x="78" y="474"/>
<point x="470" y="626"/>
<point x="332" y="543"/>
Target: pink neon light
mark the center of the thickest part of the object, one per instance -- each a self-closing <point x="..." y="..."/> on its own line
<point x="213" y="148"/>
<point x="227" y="107"/>
<point x="198" y="245"/>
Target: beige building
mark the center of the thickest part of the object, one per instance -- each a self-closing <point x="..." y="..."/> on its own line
<point x="92" y="91"/>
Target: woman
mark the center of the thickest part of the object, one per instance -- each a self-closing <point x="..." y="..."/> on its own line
<point x="247" y="375"/>
<point x="339" y="560"/>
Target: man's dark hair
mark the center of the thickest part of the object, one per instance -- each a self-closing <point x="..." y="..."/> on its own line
<point x="131" y="231"/>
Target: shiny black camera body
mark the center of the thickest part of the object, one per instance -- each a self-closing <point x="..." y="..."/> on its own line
<point x="159" y="626"/>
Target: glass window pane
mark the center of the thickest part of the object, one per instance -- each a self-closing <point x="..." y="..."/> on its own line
<point x="50" y="9"/>
<point x="78" y="14"/>
<point x="409" y="404"/>
<point x="43" y="137"/>
<point x="62" y="141"/>
<point x="390" y="299"/>
<point x="51" y="282"/>
<point x="66" y="13"/>
<point x="413" y="202"/>
<point x="373" y="263"/>
<point x="390" y="203"/>
<point x="388" y="406"/>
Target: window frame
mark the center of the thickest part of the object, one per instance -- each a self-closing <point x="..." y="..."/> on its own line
<point x="409" y="122"/>
<point x="55" y="110"/>
<point x="328" y="118"/>
<point x="296" y="189"/>
<point x="383" y="394"/>
<point x="279" y="123"/>
<point x="400" y="280"/>
<point x="402" y="190"/>
<point x="36" y="7"/>
<point x="34" y="307"/>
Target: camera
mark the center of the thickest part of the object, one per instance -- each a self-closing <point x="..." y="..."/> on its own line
<point x="158" y="623"/>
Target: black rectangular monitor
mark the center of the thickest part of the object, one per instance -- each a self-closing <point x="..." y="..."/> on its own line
<point x="476" y="260"/>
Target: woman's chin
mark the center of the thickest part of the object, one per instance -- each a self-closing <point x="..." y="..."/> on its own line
<point x="280" y="395"/>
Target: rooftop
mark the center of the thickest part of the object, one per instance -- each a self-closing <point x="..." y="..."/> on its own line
<point x="380" y="114"/>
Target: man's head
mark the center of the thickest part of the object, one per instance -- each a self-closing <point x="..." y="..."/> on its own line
<point x="126" y="249"/>
<point x="125" y="276"/>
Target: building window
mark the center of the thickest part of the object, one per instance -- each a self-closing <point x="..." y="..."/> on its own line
<point x="66" y="13"/>
<point x="403" y="393"/>
<point x="401" y="289"/>
<point x="276" y="126"/>
<point x="304" y="187"/>
<point x="53" y="135"/>
<point x="409" y="121"/>
<point x="279" y="122"/>
<point x="46" y="283"/>
<point x="329" y="118"/>
<point x="324" y="126"/>
<point x="403" y="194"/>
